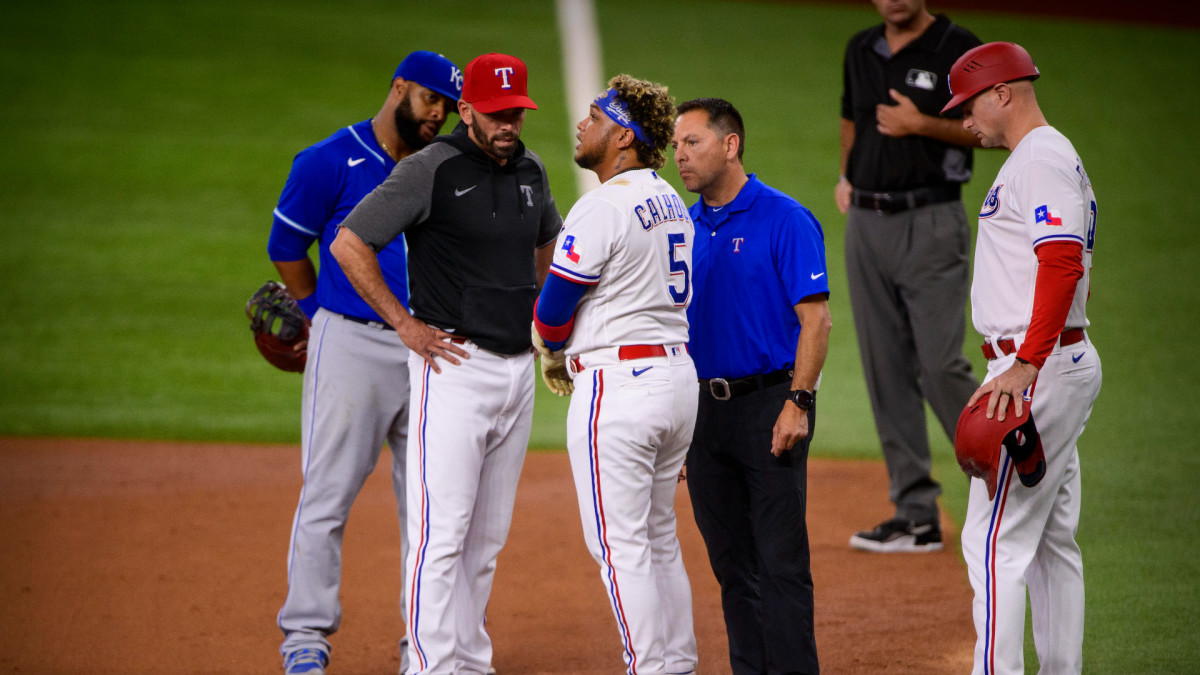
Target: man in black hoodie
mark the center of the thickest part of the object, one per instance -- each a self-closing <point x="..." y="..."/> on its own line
<point x="476" y="212"/>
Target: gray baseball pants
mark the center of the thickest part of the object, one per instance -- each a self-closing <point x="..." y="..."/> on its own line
<point x="355" y="399"/>
<point x="909" y="279"/>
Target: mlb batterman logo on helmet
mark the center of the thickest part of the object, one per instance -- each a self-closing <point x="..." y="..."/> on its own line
<point x="987" y="65"/>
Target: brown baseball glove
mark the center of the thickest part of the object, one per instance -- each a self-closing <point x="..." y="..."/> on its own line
<point x="280" y="327"/>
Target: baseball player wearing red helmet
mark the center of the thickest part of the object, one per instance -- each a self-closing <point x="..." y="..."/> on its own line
<point x="1033" y="255"/>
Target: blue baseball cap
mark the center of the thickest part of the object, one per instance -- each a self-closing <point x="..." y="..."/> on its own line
<point x="432" y="70"/>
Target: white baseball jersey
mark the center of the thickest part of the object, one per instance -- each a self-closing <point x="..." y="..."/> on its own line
<point x="631" y="239"/>
<point x="1042" y="194"/>
<point x="631" y="418"/>
<point x="1022" y="542"/>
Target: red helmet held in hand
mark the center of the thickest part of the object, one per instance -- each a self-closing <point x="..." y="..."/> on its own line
<point x="978" y="440"/>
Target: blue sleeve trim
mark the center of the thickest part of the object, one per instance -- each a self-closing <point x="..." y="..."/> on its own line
<point x="572" y="275"/>
<point x="1058" y="237"/>
<point x="292" y="223"/>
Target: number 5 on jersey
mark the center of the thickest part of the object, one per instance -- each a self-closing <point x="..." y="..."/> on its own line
<point x="678" y="257"/>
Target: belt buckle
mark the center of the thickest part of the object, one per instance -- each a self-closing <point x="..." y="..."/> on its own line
<point x="880" y="200"/>
<point x="724" y="384"/>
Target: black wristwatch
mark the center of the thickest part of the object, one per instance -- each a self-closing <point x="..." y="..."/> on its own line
<point x="803" y="398"/>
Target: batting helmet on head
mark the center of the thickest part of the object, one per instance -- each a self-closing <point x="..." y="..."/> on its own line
<point x="977" y="443"/>
<point x="987" y="65"/>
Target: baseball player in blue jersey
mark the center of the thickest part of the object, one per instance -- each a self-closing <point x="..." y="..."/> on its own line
<point x="356" y="376"/>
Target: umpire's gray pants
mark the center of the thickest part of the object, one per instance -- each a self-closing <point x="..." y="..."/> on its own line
<point x="909" y="278"/>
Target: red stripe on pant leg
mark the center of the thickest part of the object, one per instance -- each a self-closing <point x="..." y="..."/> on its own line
<point x="623" y="623"/>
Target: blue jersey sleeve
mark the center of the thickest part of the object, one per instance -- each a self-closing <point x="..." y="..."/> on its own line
<point x="800" y="256"/>
<point x="287" y="243"/>
<point x="309" y="196"/>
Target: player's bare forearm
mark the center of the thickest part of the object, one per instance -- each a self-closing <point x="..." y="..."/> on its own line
<point x="813" y="345"/>
<point x="791" y="426"/>
<point x="299" y="276"/>
<point x="361" y="266"/>
<point x="903" y="118"/>
<point x="542" y="258"/>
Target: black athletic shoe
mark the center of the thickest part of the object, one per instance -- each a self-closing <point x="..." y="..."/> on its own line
<point x="899" y="536"/>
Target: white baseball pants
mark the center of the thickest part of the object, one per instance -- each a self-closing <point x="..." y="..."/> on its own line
<point x="1025" y="537"/>
<point x="468" y="431"/>
<point x="628" y="430"/>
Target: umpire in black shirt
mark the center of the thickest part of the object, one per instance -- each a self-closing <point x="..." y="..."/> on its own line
<point x="907" y="242"/>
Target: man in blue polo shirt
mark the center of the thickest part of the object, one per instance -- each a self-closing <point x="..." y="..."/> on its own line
<point x="759" y="331"/>
<point x="356" y="375"/>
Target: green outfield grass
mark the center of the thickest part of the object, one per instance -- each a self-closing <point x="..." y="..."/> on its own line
<point x="147" y="143"/>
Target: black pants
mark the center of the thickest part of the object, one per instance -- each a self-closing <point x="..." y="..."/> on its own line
<point x="750" y="508"/>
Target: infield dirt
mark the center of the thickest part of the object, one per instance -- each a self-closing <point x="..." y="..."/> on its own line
<point x="146" y="557"/>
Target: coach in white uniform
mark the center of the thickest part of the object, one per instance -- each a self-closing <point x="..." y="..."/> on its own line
<point x="617" y="297"/>
<point x="476" y="212"/>
<point x="1032" y="260"/>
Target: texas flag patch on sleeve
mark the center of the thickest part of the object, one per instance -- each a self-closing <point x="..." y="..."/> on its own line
<point x="569" y="246"/>
<point x="1047" y="215"/>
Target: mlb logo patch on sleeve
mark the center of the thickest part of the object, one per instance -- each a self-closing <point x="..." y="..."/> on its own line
<point x="1047" y="215"/>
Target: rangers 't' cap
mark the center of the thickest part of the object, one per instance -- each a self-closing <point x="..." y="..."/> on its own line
<point x="985" y="66"/>
<point x="430" y="69"/>
<point x="497" y="82"/>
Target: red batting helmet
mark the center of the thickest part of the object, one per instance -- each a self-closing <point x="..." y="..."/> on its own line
<point x="977" y="443"/>
<point x="985" y="66"/>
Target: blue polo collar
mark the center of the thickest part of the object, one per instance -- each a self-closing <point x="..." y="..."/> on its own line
<point x="742" y="202"/>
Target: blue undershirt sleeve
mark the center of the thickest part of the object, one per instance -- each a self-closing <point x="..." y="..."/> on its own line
<point x="556" y="306"/>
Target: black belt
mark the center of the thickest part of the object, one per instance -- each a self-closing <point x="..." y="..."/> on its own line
<point x="895" y="202"/>
<point x="723" y="390"/>
<point x="382" y="325"/>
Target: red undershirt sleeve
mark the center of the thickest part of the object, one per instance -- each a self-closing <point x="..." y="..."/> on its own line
<point x="1060" y="267"/>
